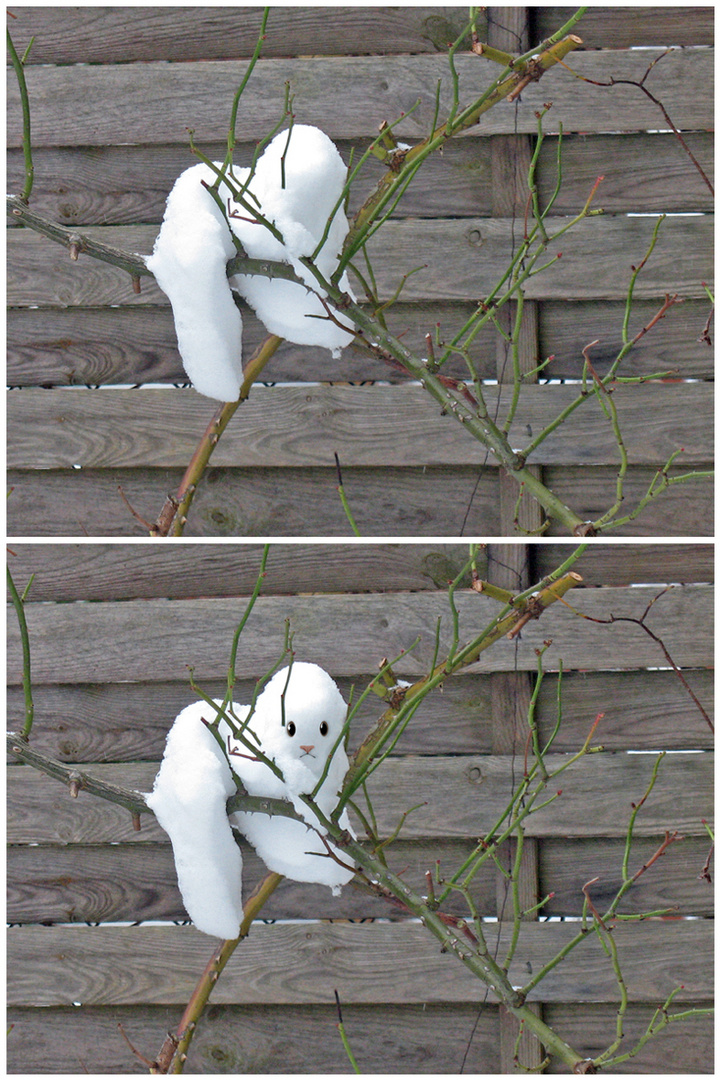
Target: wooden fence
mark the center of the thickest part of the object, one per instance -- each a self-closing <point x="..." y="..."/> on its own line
<point x="96" y="935"/>
<point x="113" y="92"/>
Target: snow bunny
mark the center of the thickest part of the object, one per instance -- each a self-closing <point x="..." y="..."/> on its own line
<point x="298" y="721"/>
<point x="297" y="184"/>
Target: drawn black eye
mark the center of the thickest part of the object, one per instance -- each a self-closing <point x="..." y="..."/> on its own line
<point x="323" y="728"/>
<point x="290" y="728"/>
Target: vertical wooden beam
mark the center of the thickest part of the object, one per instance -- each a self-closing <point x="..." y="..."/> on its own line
<point x="510" y="160"/>
<point x="508" y="567"/>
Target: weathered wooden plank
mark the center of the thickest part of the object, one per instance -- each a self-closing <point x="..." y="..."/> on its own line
<point x="463" y="796"/>
<point x="681" y="1047"/>
<point x="113" y="572"/>
<point x="400" y="502"/>
<point x="459" y="261"/>
<point x="605" y="564"/>
<point x="128" y="722"/>
<point x="368" y="963"/>
<point x="291" y="427"/>
<point x="128" y="185"/>
<point x="566" y="865"/>
<point x="347" y="97"/>
<point x="620" y="27"/>
<point x="92" y="346"/>
<point x="252" y="1040"/>
<point x="156" y="639"/>
<point x="672" y="345"/>
<point x="638" y="172"/>
<point x="121" y="34"/>
<point x="64" y="36"/>
<point x="412" y="502"/>
<point x="591" y="492"/>
<point x="260" y="1039"/>
<point x="128" y="883"/>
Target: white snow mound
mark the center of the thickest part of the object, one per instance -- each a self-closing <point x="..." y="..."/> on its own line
<point x="298" y="719"/>
<point x="189" y="260"/>
<point x="296" y="185"/>
<point x="297" y="182"/>
<point x="188" y="799"/>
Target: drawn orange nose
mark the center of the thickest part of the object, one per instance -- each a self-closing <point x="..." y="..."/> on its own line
<point x="307" y="749"/>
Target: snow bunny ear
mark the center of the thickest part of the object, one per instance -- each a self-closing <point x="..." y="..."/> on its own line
<point x="188" y="799"/>
<point x="189" y="260"/>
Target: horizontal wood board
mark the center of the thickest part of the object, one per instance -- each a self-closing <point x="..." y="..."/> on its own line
<point x="292" y="427"/>
<point x="76" y="571"/>
<point x="91" y="722"/>
<point x="348" y="96"/>
<point x="618" y="27"/>
<point x="642" y="172"/>
<point x="421" y="1039"/>
<point x="138" y="882"/>
<point x="121" y="34"/>
<point x="155" y="639"/>
<point x="462" y="795"/>
<point x="64" y="35"/>
<point x="84" y="346"/>
<point x="459" y="261"/>
<point x="368" y="963"/>
<point x="410" y="502"/>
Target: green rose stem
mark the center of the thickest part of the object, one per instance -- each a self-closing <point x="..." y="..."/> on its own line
<point x="198" y="463"/>
<point x="179" y="1044"/>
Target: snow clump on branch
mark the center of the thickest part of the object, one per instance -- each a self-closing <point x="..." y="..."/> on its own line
<point x="188" y="799"/>
<point x="296" y="186"/>
<point x="297" y="723"/>
<point x="298" y="720"/>
<point x="298" y="182"/>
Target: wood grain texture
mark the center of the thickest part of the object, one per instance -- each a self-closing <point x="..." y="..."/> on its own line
<point x="155" y="639"/>
<point x="683" y="511"/>
<point x="256" y="1039"/>
<point x="619" y="27"/>
<point x="290" y="427"/>
<point x="421" y="502"/>
<point x="423" y="1039"/>
<point x="372" y="963"/>
<point x="128" y="722"/>
<point x="81" y="346"/>
<point x="602" y="564"/>
<point x="462" y="796"/>
<point x="136" y="882"/>
<point x="346" y="96"/>
<point x="112" y="572"/>
<point x="127" y="185"/>
<point x="122" y="34"/>
<point x="458" y="261"/>
<point x="88" y="883"/>
<point x="387" y="502"/>
<point x="678" y="1049"/>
